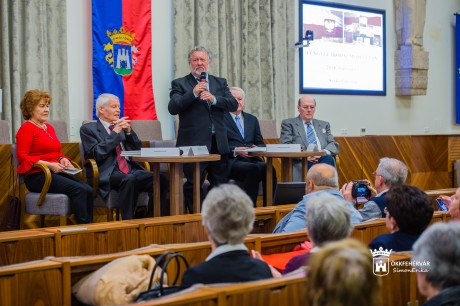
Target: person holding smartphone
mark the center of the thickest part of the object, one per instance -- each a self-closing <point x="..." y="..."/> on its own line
<point x="452" y="204"/>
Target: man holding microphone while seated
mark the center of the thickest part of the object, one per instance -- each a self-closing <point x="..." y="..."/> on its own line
<point x="309" y="132"/>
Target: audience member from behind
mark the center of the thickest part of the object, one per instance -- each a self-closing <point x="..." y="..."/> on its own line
<point x="309" y="132"/>
<point x="321" y="179"/>
<point x="408" y="213"/>
<point x="328" y="219"/>
<point x="228" y="216"/>
<point x="453" y="205"/>
<point x="341" y="274"/>
<point x="439" y="281"/>
<point x="389" y="172"/>
<point x="103" y="141"/>
<point x="37" y="143"/>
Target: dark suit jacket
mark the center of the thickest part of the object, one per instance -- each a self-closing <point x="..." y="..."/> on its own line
<point x="230" y="267"/>
<point x="196" y="117"/>
<point x="293" y="131"/>
<point x="398" y="241"/>
<point x="101" y="146"/>
<point x="252" y="134"/>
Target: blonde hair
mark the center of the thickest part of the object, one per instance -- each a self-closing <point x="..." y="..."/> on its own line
<point x="341" y="274"/>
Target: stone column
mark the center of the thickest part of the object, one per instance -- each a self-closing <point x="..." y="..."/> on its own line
<point x="411" y="60"/>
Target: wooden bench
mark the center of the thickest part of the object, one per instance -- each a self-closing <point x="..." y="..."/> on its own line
<point x="25" y="245"/>
<point x="94" y="239"/>
<point x="287" y="290"/>
<point x="279" y="243"/>
<point x="32" y="283"/>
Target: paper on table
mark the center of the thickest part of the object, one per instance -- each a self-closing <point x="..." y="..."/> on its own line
<point x="255" y="149"/>
<point x="131" y="153"/>
<point x="71" y="171"/>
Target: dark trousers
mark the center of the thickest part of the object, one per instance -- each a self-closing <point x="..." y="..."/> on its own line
<point x="79" y="193"/>
<point x="130" y="185"/>
<point x="250" y="171"/>
<point x="217" y="174"/>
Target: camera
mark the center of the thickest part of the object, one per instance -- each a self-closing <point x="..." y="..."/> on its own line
<point x="360" y="189"/>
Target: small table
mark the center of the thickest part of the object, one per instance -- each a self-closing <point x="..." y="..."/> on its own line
<point x="176" y="187"/>
<point x="286" y="167"/>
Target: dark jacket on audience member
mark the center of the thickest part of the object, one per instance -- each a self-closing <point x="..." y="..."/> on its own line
<point x="230" y="267"/>
<point x="447" y="297"/>
<point x="398" y="241"/>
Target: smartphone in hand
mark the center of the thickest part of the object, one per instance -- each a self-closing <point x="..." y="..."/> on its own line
<point x="442" y="205"/>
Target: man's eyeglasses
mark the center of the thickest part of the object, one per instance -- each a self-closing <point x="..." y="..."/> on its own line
<point x="374" y="174"/>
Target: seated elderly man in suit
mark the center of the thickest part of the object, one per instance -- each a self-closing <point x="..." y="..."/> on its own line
<point x="243" y="132"/>
<point x="309" y="132"/>
<point x="103" y="141"/>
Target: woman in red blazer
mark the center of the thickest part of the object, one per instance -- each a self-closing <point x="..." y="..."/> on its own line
<point x="36" y="142"/>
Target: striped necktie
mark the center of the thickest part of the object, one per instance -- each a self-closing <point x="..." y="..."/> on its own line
<point x="311" y="138"/>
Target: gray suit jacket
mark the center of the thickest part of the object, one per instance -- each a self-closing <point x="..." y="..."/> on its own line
<point x="101" y="146"/>
<point x="293" y="131"/>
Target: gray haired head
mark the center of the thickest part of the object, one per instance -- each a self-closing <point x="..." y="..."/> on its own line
<point x="439" y="246"/>
<point x="392" y="170"/>
<point x="328" y="219"/>
<point x="228" y="214"/>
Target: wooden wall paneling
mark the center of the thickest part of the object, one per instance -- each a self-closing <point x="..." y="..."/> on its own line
<point x="5" y="161"/>
<point x="425" y="157"/>
<point x="96" y="238"/>
<point x="34" y="283"/>
<point x="25" y="245"/>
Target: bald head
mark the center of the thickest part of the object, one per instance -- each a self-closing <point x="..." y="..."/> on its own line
<point x="306" y="107"/>
<point x="323" y="176"/>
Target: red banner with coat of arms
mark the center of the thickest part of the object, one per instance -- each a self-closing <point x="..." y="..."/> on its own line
<point x="122" y="55"/>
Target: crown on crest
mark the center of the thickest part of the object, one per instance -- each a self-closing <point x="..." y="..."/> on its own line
<point x="121" y="37"/>
<point x="380" y="252"/>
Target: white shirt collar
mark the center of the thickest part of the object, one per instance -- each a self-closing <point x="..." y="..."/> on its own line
<point x="382" y="193"/>
<point x="106" y="125"/>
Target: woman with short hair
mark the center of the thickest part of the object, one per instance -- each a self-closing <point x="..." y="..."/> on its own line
<point x="408" y="213"/>
<point x="228" y="216"/>
<point x="36" y="142"/>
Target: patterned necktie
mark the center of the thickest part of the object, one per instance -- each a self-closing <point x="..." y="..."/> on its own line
<point x="310" y="134"/>
<point x="238" y="124"/>
<point x="121" y="160"/>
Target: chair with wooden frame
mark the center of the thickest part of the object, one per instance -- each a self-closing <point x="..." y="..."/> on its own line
<point x="43" y="203"/>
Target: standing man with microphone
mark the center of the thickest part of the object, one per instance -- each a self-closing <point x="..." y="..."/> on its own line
<point x="201" y="100"/>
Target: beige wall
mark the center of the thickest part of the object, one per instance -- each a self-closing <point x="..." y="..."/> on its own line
<point x="379" y="115"/>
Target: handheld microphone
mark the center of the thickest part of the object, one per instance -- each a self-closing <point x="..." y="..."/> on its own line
<point x="203" y="77"/>
<point x="203" y="80"/>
